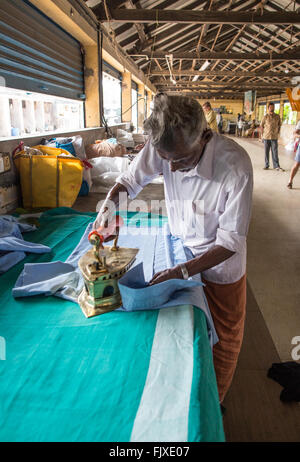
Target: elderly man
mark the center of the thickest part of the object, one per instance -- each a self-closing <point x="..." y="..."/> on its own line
<point x="270" y="128"/>
<point x="208" y="190"/>
<point x="210" y="115"/>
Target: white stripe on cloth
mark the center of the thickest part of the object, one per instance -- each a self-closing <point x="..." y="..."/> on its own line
<point x="164" y="408"/>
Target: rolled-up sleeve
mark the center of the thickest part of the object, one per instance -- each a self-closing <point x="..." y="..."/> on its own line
<point x="146" y="166"/>
<point x="234" y="221"/>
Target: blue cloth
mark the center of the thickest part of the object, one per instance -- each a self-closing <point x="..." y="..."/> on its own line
<point x="12" y="244"/>
<point x="297" y="156"/>
<point x="157" y="251"/>
<point x="137" y="294"/>
<point x="68" y="146"/>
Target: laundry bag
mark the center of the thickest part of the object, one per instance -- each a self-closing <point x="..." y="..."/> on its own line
<point x="51" y="179"/>
<point x="75" y="146"/>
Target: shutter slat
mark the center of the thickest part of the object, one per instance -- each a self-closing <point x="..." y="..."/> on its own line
<point x="34" y="64"/>
<point x="23" y="17"/>
<point x="37" y="55"/>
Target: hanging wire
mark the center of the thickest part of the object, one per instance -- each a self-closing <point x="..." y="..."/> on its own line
<point x="153" y="45"/>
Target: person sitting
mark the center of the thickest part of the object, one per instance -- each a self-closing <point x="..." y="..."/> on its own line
<point x="250" y="131"/>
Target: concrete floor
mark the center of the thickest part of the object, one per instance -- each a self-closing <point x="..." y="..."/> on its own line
<point x="274" y="247"/>
<point x="254" y="411"/>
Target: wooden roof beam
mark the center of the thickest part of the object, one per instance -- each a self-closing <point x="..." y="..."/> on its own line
<point x="221" y="55"/>
<point x="202" y="17"/>
<point x="234" y="73"/>
<point x="219" y="85"/>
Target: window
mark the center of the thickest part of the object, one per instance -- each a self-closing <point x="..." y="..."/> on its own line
<point x="134" y="108"/>
<point x="289" y="116"/>
<point x="146" y="104"/>
<point x="112" y="97"/>
<point x="276" y="107"/>
<point x="262" y="109"/>
<point x="35" y="113"/>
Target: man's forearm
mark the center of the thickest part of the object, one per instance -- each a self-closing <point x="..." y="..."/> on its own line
<point x="114" y="193"/>
<point x="209" y="259"/>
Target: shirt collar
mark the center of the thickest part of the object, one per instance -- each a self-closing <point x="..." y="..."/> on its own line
<point x="204" y="168"/>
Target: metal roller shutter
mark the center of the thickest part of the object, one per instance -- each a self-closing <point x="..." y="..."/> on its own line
<point x="37" y="55"/>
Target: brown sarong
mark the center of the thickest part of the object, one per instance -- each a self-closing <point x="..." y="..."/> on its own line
<point x="227" y="303"/>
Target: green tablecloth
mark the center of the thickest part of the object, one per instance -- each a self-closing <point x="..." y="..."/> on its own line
<point x="68" y="378"/>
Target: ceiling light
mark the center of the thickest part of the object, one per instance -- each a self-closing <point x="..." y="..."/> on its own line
<point x="196" y="77"/>
<point x="205" y="65"/>
<point x="286" y="71"/>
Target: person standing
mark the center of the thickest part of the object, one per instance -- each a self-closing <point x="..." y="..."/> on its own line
<point x="240" y="126"/>
<point x="219" y="119"/>
<point x="270" y="128"/>
<point x="210" y="117"/>
<point x="295" y="168"/>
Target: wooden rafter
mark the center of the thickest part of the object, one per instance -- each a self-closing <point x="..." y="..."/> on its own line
<point x="293" y="55"/>
<point x="201" y="17"/>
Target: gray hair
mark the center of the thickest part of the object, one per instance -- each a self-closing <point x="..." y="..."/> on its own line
<point x="172" y="115"/>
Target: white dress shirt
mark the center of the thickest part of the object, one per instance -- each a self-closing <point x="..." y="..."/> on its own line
<point x="208" y="205"/>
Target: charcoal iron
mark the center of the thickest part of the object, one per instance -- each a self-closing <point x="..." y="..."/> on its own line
<point x="101" y="267"/>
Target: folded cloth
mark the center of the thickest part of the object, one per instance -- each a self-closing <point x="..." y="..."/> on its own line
<point x="287" y="374"/>
<point x="62" y="279"/>
<point x="55" y="278"/>
<point x="158" y="250"/>
<point x="12" y="244"/>
<point x="137" y="294"/>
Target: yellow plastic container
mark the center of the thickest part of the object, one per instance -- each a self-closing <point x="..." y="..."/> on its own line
<point x="49" y="180"/>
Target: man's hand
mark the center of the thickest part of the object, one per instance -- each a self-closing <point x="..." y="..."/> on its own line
<point x="165" y="275"/>
<point x="105" y="215"/>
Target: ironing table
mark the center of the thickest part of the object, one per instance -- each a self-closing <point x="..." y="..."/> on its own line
<point x="117" y="377"/>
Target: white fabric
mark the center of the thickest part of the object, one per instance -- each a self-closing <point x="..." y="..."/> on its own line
<point x="209" y="205"/>
<point x="171" y="362"/>
<point x="108" y="164"/>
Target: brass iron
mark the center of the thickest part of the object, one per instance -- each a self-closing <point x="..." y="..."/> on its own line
<point x="101" y="268"/>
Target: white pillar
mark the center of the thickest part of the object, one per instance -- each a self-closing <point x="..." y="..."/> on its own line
<point x="29" y="116"/>
<point x="40" y="116"/>
<point x="16" y="113"/>
<point x="5" y="125"/>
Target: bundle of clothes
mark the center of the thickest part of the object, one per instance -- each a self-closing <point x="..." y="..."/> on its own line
<point x="287" y="374"/>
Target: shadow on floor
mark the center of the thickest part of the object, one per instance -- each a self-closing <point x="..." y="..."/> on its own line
<point x="254" y="412"/>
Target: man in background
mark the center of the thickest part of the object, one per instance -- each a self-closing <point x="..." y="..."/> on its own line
<point x="219" y="119"/>
<point x="270" y="128"/>
<point x="210" y="117"/>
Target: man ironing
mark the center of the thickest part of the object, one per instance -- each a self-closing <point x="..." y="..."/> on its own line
<point x="209" y="178"/>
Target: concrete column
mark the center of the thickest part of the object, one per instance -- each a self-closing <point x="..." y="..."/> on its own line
<point x="16" y="114"/>
<point x="141" y="105"/>
<point x="29" y="116"/>
<point x="5" y="125"/>
<point x="149" y="99"/>
<point x="39" y="116"/>
<point x="92" y="87"/>
<point x="126" y="97"/>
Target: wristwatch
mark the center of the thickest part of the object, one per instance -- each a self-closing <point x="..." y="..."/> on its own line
<point x="185" y="273"/>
